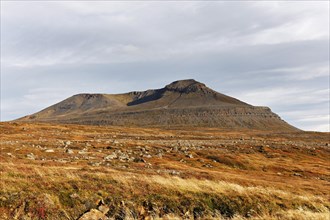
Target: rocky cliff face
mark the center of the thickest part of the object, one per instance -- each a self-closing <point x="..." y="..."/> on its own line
<point x="181" y="103"/>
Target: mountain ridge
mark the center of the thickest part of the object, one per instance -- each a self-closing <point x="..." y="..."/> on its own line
<point x="180" y="103"/>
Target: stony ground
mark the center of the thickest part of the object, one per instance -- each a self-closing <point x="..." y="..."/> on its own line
<point x="94" y="172"/>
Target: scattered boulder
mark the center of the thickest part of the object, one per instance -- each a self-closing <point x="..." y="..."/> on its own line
<point x="173" y="172"/>
<point x="69" y="151"/>
<point x="104" y="209"/>
<point x="83" y="151"/>
<point x="297" y="174"/>
<point x="93" y="214"/>
<point x="74" y="195"/>
<point x="123" y="157"/>
<point x="183" y="161"/>
<point x="10" y="155"/>
<point x="31" y="156"/>
<point x="200" y="160"/>
<point x="139" y="160"/>
<point x="207" y="165"/>
<point x="147" y="155"/>
<point x="95" y="164"/>
<point x="111" y="156"/>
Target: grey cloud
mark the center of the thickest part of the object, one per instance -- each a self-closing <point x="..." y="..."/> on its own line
<point x="51" y="50"/>
<point x="92" y="37"/>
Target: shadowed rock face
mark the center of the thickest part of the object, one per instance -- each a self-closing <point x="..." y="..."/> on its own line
<point x="181" y="103"/>
<point x="187" y="86"/>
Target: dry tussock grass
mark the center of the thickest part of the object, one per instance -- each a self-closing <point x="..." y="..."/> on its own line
<point x="162" y="189"/>
<point x="276" y="183"/>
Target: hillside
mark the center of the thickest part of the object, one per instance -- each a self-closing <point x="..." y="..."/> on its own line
<point x="79" y="172"/>
<point x="181" y="103"/>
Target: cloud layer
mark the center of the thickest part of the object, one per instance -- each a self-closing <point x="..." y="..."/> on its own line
<point x="264" y="53"/>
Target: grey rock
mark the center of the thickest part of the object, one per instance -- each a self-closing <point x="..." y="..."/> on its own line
<point x="207" y="165"/>
<point x="174" y="172"/>
<point x="104" y="209"/>
<point x="10" y="154"/>
<point x="93" y="214"/>
<point x="31" y="156"/>
<point x="111" y="156"/>
<point x="69" y="151"/>
<point x="297" y="174"/>
<point x="74" y="195"/>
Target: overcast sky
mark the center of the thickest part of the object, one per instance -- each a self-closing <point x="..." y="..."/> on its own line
<point x="266" y="53"/>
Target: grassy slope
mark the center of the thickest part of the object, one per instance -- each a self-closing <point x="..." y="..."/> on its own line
<point x="190" y="174"/>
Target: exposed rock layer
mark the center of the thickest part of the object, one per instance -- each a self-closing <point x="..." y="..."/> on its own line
<point x="181" y="103"/>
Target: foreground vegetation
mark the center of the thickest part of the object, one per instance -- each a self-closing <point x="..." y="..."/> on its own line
<point x="68" y="171"/>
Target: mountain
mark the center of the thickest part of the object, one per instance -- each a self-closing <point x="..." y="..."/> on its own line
<point x="181" y="103"/>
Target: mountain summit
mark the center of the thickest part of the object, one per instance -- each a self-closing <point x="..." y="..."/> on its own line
<point x="180" y="103"/>
<point x="186" y="86"/>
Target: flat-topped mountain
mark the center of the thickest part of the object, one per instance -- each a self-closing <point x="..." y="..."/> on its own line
<point x="181" y="103"/>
